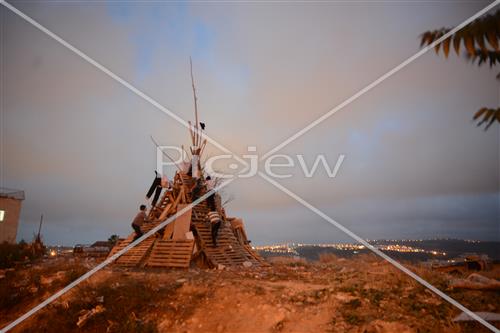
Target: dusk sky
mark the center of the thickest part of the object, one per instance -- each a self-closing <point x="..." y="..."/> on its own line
<point x="78" y="143"/>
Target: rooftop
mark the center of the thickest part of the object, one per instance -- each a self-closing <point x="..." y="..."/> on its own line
<point x="11" y="193"/>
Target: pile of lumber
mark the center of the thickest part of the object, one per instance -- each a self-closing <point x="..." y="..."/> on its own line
<point x="187" y="240"/>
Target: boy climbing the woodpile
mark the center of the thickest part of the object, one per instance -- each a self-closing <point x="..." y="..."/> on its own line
<point x="138" y="221"/>
<point x="213" y="215"/>
<point x="211" y="199"/>
<point x="215" y="223"/>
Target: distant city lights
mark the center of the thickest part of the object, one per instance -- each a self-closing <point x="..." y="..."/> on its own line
<point x="291" y="248"/>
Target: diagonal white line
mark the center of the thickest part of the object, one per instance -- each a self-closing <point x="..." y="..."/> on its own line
<point x="116" y="77"/>
<point x="378" y="252"/>
<point x="168" y="112"/>
<point x="111" y="259"/>
<point x="378" y="81"/>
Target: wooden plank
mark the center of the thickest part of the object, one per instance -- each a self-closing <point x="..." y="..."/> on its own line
<point x="164" y="214"/>
<point x="121" y="244"/>
<point x="182" y="223"/>
<point x="169" y="230"/>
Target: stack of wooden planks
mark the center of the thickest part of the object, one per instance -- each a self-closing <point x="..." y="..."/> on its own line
<point x="135" y="255"/>
<point x="171" y="253"/>
<point x="187" y="234"/>
<point x="121" y="244"/>
<point x="229" y="251"/>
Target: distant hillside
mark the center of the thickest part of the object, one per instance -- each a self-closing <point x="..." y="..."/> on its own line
<point x="422" y="249"/>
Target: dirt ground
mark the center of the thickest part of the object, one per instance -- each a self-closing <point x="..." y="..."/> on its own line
<point x="363" y="294"/>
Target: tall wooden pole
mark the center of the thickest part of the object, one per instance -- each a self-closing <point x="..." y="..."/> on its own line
<point x="197" y="138"/>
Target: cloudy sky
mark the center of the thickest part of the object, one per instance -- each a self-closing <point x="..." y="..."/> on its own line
<point x="415" y="165"/>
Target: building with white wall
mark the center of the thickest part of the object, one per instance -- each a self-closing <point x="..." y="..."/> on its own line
<point x="10" y="209"/>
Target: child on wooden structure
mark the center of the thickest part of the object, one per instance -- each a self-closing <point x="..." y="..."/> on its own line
<point x="211" y="199"/>
<point x="138" y="221"/>
<point x="215" y="223"/>
<point x="213" y="215"/>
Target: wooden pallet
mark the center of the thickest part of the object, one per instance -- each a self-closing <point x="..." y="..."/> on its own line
<point x="229" y="251"/>
<point x="134" y="256"/>
<point x="121" y="245"/>
<point x="171" y="253"/>
<point x="146" y="227"/>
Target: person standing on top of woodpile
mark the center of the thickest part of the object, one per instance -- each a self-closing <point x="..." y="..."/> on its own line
<point x="139" y="220"/>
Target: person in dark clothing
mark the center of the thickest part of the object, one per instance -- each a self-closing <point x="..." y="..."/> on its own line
<point x="154" y="185"/>
<point x="138" y="221"/>
<point x="196" y="190"/>
<point x="211" y="199"/>
<point x="157" y="195"/>
<point x="215" y="232"/>
<point x="155" y="188"/>
<point x="215" y="223"/>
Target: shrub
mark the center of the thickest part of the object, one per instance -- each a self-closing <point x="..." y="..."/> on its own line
<point x="12" y="253"/>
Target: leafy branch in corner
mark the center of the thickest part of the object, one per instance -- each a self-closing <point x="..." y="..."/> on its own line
<point x="480" y="41"/>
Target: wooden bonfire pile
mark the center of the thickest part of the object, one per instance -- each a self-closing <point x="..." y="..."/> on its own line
<point x="187" y="240"/>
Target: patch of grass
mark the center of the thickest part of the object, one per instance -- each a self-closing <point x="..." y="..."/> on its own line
<point x="352" y="318"/>
<point x="278" y="327"/>
<point x="298" y="263"/>
<point x="353" y="304"/>
<point x="258" y="290"/>
<point x="74" y="273"/>
<point x="327" y="258"/>
<point x="125" y="303"/>
<point x="352" y="289"/>
<point x="373" y="295"/>
<point x="20" y="286"/>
